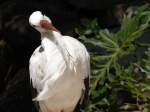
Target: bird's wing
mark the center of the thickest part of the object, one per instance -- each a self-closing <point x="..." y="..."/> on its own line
<point x="84" y="99"/>
<point x="79" y="55"/>
<point x="77" y="49"/>
<point x="37" y="66"/>
<point x="53" y="71"/>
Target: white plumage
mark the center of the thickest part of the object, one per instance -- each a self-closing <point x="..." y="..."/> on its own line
<point x="58" y="67"/>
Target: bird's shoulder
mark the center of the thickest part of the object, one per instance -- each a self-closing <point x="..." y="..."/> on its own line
<point x="73" y="41"/>
<point x="35" y="55"/>
<point x="74" y="46"/>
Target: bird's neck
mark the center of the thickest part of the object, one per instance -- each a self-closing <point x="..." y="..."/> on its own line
<point x="53" y="36"/>
<point x="56" y="39"/>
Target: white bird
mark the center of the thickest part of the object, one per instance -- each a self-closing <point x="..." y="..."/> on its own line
<point x="58" y="67"/>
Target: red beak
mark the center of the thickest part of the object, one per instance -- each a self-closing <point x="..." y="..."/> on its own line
<point x="47" y="25"/>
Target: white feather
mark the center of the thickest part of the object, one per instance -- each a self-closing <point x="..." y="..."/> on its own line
<point x="58" y="72"/>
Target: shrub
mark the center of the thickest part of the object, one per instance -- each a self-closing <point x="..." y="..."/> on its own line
<point x="120" y="64"/>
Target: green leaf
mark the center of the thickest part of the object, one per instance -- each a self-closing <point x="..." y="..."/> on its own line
<point x="110" y="77"/>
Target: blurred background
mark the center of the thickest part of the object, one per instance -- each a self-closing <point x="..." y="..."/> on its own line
<point x="18" y="40"/>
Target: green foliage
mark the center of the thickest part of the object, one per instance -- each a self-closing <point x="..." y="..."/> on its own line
<point x="120" y="76"/>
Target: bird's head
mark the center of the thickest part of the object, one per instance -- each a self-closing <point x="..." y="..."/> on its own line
<point x="41" y="22"/>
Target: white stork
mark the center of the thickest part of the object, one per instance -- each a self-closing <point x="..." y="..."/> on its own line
<point x="58" y="67"/>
